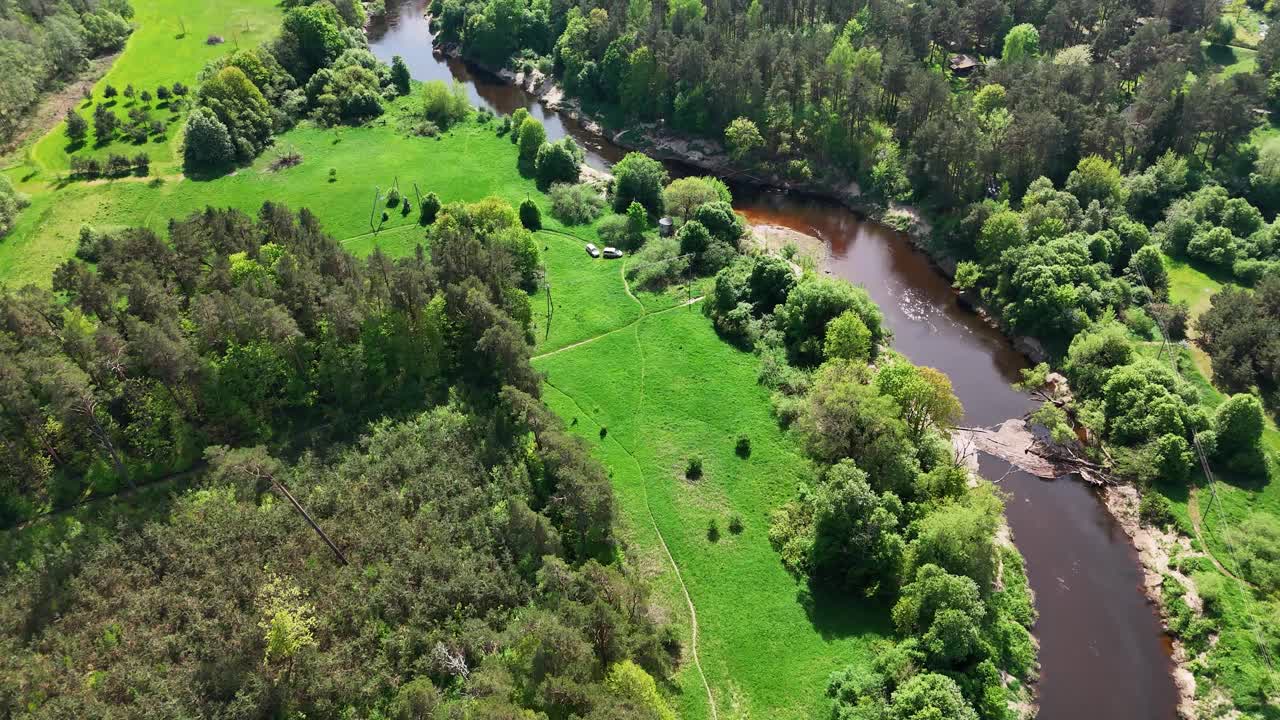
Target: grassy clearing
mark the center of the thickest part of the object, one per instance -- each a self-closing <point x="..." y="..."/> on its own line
<point x="668" y="389"/>
<point x="1228" y="59"/>
<point x="160" y="53"/>
<point x="467" y="164"/>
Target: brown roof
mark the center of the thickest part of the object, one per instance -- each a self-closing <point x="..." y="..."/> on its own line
<point x="963" y="62"/>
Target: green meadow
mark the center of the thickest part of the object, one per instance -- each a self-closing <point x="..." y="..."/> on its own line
<point x="168" y="45"/>
<point x="667" y="389"/>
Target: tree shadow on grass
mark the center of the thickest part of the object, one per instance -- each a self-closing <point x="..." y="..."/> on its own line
<point x="1221" y="55"/>
<point x="839" y="614"/>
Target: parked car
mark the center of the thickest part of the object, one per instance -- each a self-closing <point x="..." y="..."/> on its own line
<point x="612" y="253"/>
<point x="592" y="250"/>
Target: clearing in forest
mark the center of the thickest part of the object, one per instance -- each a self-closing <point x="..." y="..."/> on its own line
<point x="666" y="389"/>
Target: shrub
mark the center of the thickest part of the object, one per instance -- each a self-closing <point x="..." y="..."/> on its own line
<point x="658" y="264"/>
<point x="693" y="468"/>
<point x="532" y="136"/>
<point x="530" y="215"/>
<point x="575" y="204"/>
<point x="558" y="162"/>
<point x="443" y="104"/>
<point x="713" y="531"/>
<point x="735" y="525"/>
<point x="639" y="178"/>
<point x="1257" y="540"/>
<point x="333" y="174"/>
<point x="613" y="231"/>
<point x="429" y="208"/>
<point x="1154" y="509"/>
<point x="405" y="207"/>
<point x="743" y="447"/>
<point x="1238" y="422"/>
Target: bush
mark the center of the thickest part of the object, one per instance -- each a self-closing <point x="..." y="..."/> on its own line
<point x="429" y="208"/>
<point x="713" y="531"/>
<point x="658" y="264"/>
<point x="333" y="174"/>
<point x="1154" y="509"/>
<point x="558" y="162"/>
<point x="693" y="468"/>
<point x="743" y="447"/>
<point x="613" y="231"/>
<point x="639" y="178"/>
<point x="531" y="137"/>
<point x="445" y="105"/>
<point x="393" y="197"/>
<point x="530" y="215"/>
<point x="1238" y="422"/>
<point x="735" y="525"/>
<point x="575" y="204"/>
<point x="1257" y="540"/>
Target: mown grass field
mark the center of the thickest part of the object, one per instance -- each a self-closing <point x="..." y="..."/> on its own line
<point x="159" y="52"/>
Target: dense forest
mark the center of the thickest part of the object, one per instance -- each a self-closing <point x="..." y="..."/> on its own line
<point x="464" y="519"/>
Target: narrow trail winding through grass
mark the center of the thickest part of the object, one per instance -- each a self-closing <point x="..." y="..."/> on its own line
<point x="644" y="478"/>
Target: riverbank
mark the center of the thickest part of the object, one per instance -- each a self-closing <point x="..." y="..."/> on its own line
<point x="1102" y="650"/>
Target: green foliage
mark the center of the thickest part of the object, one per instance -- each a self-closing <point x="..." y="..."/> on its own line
<point x="658" y="264"/>
<point x="639" y="178"/>
<point x="684" y="195"/>
<point x="1257" y="540"/>
<point x="429" y="209"/>
<point x="575" y="204"/>
<point x="558" y="162"/>
<point x="1096" y="179"/>
<point x="842" y="532"/>
<point x="743" y="139"/>
<point x="531" y="137"/>
<point x="1154" y="510"/>
<point x="923" y="394"/>
<point x="400" y="75"/>
<point x="1240" y="337"/>
<point x="11" y="203"/>
<point x="206" y="145"/>
<point x="959" y="537"/>
<point x="847" y="338"/>
<point x="693" y="468"/>
<point x="1238" y="423"/>
<point x="445" y="105"/>
<point x="530" y="215"/>
<point x="814" y="302"/>
<point x="239" y="105"/>
<point x="1022" y="42"/>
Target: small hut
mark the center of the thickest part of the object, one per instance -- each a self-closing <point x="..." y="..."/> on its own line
<point x="665" y="227"/>
<point x="963" y="65"/>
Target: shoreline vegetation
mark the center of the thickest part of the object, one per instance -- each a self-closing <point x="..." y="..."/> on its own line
<point x="1154" y="547"/>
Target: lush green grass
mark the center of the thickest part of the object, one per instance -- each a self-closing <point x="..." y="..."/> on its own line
<point x="1229" y="59"/>
<point x="468" y="164"/>
<point x="159" y="53"/>
<point x="668" y="389"/>
<point x="1234" y="662"/>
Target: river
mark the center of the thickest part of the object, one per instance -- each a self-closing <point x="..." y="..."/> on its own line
<point x="1103" y="653"/>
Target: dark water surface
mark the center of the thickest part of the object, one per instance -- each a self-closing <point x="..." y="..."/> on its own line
<point x="1103" y="653"/>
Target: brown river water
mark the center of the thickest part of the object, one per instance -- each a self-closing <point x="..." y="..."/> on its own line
<point x="1103" y="653"/>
